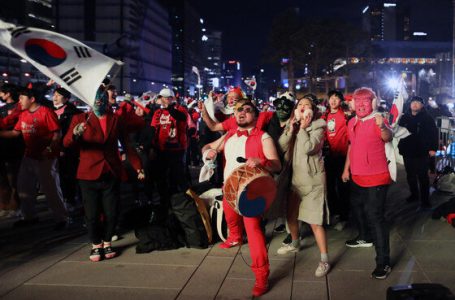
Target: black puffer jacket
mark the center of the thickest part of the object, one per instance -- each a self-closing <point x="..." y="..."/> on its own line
<point x="424" y="134"/>
<point x="67" y="116"/>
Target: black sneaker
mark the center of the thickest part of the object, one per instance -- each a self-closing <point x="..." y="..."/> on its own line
<point x="287" y="240"/>
<point x="358" y="243"/>
<point x="109" y="252"/>
<point x="280" y="229"/>
<point x="381" y="272"/>
<point x="25" y="223"/>
<point x="96" y="254"/>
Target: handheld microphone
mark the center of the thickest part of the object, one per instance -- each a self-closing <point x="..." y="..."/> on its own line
<point x="241" y="159"/>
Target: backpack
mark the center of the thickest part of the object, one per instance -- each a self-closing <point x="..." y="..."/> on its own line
<point x="167" y="236"/>
<point x="445" y="181"/>
<point x="154" y="228"/>
<point x="186" y="211"/>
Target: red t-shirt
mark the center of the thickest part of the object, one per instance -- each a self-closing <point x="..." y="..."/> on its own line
<point x="262" y="121"/>
<point x="170" y="133"/>
<point x="372" y="180"/>
<point x="103" y="124"/>
<point x="337" y="133"/>
<point x="375" y="179"/>
<point x="37" y="129"/>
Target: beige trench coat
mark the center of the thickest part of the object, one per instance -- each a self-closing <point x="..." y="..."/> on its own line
<point x="308" y="174"/>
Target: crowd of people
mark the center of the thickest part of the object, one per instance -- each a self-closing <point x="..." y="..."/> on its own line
<point x="329" y="161"/>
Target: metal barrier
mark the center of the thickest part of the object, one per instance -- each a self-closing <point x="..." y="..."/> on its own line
<point x="446" y="154"/>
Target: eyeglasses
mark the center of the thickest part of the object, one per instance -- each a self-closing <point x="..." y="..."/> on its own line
<point x="247" y="110"/>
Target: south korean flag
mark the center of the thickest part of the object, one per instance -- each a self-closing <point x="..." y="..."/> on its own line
<point x="68" y="62"/>
<point x="251" y="83"/>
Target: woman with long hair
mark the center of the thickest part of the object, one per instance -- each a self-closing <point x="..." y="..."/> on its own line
<point x="302" y="141"/>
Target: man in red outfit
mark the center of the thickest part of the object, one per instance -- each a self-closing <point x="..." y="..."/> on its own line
<point x="40" y="130"/>
<point x="169" y="126"/>
<point x="367" y="167"/>
<point x="261" y="152"/>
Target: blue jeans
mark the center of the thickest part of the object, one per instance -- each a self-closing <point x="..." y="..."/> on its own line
<point x="368" y="208"/>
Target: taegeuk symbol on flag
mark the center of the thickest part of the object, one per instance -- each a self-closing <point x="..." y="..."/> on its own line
<point x="71" y="64"/>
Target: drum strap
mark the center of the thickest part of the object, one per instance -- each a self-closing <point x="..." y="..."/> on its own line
<point x="218" y="206"/>
<point x="221" y="142"/>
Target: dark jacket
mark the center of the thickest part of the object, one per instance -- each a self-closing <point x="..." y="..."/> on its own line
<point x="424" y="135"/>
<point x="65" y="118"/>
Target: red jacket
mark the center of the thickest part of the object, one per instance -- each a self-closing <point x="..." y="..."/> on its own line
<point x="10" y="120"/>
<point x="96" y="150"/>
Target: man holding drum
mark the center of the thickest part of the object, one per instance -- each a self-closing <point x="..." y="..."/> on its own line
<point x="249" y="146"/>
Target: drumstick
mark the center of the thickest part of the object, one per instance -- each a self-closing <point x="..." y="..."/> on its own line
<point x="241" y="159"/>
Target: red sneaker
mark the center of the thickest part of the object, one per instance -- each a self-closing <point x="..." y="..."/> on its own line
<point x="229" y="244"/>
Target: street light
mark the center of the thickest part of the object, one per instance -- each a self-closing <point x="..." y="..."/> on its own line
<point x="392" y="83"/>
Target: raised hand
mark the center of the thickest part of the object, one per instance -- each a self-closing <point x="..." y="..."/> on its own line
<point x="79" y="129"/>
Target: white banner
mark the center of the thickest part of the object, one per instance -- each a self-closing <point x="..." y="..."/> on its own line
<point x="71" y="64"/>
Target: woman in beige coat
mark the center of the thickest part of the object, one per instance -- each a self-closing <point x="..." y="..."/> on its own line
<point x="302" y="142"/>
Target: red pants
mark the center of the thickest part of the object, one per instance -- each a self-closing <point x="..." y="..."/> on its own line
<point x="256" y="238"/>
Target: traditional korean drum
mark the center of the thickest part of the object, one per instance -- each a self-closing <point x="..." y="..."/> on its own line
<point x="249" y="191"/>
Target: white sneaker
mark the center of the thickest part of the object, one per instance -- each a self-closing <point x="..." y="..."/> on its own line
<point x="114" y="238"/>
<point x="322" y="269"/>
<point x="288" y="248"/>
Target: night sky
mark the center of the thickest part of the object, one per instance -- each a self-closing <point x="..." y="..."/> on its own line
<point x="246" y="23"/>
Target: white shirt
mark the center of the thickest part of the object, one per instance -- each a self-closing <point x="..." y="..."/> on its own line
<point x="235" y="147"/>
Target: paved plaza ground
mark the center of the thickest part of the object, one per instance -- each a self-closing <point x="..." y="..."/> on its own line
<point x="40" y="263"/>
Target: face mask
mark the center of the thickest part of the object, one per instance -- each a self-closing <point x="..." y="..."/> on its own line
<point x="100" y="105"/>
<point x="283" y="109"/>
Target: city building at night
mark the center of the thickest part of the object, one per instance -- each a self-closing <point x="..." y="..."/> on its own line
<point x="32" y="13"/>
<point x="212" y="49"/>
<point x="232" y="73"/>
<point x="379" y="19"/>
<point x="187" y="45"/>
<point x="135" y="31"/>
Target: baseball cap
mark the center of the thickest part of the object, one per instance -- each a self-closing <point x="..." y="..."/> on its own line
<point x="166" y="92"/>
